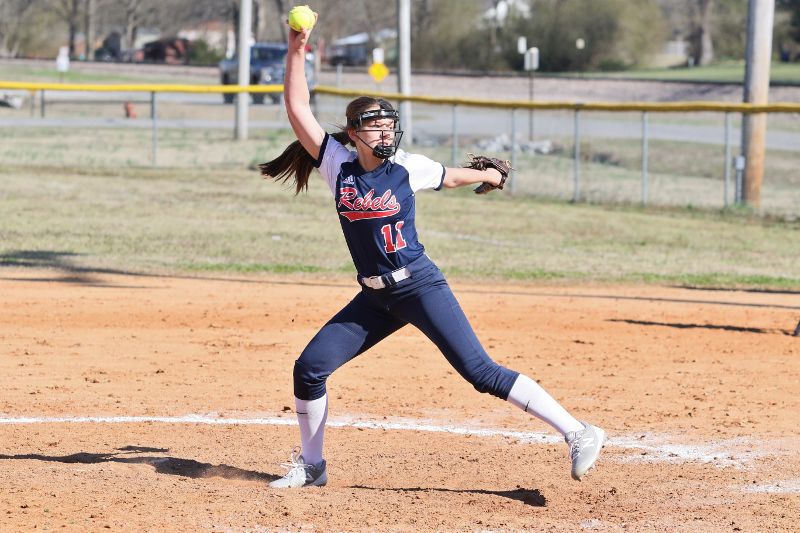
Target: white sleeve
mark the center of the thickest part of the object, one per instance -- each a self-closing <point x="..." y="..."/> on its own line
<point x="423" y="173"/>
<point x="331" y="157"/>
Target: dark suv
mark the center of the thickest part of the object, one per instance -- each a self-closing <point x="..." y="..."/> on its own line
<point x="267" y="66"/>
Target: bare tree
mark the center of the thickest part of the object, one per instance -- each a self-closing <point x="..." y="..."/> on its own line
<point x="69" y="12"/>
<point x="702" y="43"/>
<point x="12" y="14"/>
<point x="281" y="7"/>
<point x="131" y="24"/>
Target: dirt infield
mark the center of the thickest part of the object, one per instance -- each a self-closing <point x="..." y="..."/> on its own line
<point x="188" y="385"/>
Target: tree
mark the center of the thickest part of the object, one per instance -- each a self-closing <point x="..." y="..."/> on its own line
<point x="793" y="8"/>
<point x="69" y="11"/>
<point x="13" y="14"/>
<point x="712" y="28"/>
<point x="444" y="34"/>
<point x="131" y="24"/>
<point x="787" y="29"/>
<point x="617" y="34"/>
<point x="730" y="29"/>
<point x="700" y="41"/>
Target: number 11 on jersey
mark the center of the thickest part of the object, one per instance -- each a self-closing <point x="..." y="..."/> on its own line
<point x="391" y="244"/>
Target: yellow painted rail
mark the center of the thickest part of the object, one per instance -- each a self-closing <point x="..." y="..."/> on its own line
<point x="662" y="107"/>
<point x="139" y="87"/>
<point x="589" y="106"/>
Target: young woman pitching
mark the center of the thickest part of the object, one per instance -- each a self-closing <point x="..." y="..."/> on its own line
<point x="373" y="187"/>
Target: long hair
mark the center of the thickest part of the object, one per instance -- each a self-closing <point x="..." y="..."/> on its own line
<point x="295" y="163"/>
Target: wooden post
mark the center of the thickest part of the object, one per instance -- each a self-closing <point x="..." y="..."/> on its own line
<point x="756" y="91"/>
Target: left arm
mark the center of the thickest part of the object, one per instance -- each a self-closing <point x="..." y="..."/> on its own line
<point x="458" y="176"/>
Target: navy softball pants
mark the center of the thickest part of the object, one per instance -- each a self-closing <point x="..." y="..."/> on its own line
<point x="423" y="300"/>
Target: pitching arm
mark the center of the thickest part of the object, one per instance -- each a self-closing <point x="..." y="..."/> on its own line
<point x="297" y="98"/>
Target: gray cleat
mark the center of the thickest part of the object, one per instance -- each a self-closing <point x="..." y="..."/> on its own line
<point x="301" y="474"/>
<point x="584" y="448"/>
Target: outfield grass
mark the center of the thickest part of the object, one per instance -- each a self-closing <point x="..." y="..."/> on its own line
<point x="680" y="174"/>
<point x="72" y="207"/>
<point x="723" y="72"/>
<point x="47" y="73"/>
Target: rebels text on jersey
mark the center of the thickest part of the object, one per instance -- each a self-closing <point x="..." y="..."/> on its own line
<point x="376" y="208"/>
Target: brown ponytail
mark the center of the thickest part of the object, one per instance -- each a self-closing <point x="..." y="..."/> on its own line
<point x="296" y="163"/>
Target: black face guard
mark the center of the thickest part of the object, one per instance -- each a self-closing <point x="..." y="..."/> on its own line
<point x="381" y="151"/>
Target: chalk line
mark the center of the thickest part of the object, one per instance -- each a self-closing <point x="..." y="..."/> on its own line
<point x="651" y="447"/>
<point x="401" y="425"/>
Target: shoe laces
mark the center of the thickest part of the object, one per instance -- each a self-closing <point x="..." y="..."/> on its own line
<point x="577" y="441"/>
<point x="296" y="462"/>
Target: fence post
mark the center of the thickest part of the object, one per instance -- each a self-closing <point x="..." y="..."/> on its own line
<point x="454" y="155"/>
<point x="644" y="157"/>
<point x="41" y="104"/>
<point x="739" y="161"/>
<point x="154" y="127"/>
<point x="576" y="174"/>
<point x="513" y="173"/>
<point x="727" y="179"/>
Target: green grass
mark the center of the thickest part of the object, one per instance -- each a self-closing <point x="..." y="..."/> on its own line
<point x="723" y="72"/>
<point x="49" y="74"/>
<point x="225" y="218"/>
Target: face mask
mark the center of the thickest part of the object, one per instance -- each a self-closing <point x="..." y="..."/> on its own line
<point x="384" y="151"/>
<point x="381" y="151"/>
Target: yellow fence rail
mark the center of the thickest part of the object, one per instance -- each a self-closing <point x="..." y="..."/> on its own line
<point x="658" y="107"/>
<point x="139" y="87"/>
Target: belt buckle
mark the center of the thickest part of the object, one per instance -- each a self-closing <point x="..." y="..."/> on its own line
<point x="374" y="282"/>
<point x="385" y="280"/>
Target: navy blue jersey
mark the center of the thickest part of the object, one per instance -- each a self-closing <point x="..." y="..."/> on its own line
<point x="376" y="208"/>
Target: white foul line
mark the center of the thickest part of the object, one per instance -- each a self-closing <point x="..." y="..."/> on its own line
<point x="650" y="448"/>
<point x="275" y="421"/>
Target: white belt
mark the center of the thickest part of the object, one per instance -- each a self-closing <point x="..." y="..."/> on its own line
<point x="387" y="280"/>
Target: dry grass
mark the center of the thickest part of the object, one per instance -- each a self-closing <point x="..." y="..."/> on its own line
<point x="77" y="208"/>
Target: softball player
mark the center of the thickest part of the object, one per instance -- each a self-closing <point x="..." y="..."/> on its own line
<point x="374" y="188"/>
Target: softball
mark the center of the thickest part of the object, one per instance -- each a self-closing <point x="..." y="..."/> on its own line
<point x="302" y="18"/>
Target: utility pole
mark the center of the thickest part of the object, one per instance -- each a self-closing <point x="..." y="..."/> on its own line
<point x="756" y="91"/>
<point x="404" y="65"/>
<point x="243" y="99"/>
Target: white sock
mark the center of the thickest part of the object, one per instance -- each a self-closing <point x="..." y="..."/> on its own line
<point x="532" y="398"/>
<point x="311" y="416"/>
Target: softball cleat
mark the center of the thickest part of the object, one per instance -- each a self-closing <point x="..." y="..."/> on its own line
<point x="584" y="448"/>
<point x="301" y="474"/>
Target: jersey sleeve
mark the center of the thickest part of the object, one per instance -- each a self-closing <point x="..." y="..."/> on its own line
<point x="331" y="157"/>
<point x="423" y="173"/>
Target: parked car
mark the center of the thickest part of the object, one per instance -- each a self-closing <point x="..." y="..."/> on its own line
<point x="267" y="66"/>
<point x="352" y="50"/>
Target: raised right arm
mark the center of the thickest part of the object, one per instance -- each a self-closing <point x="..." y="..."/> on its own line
<point x="297" y="98"/>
